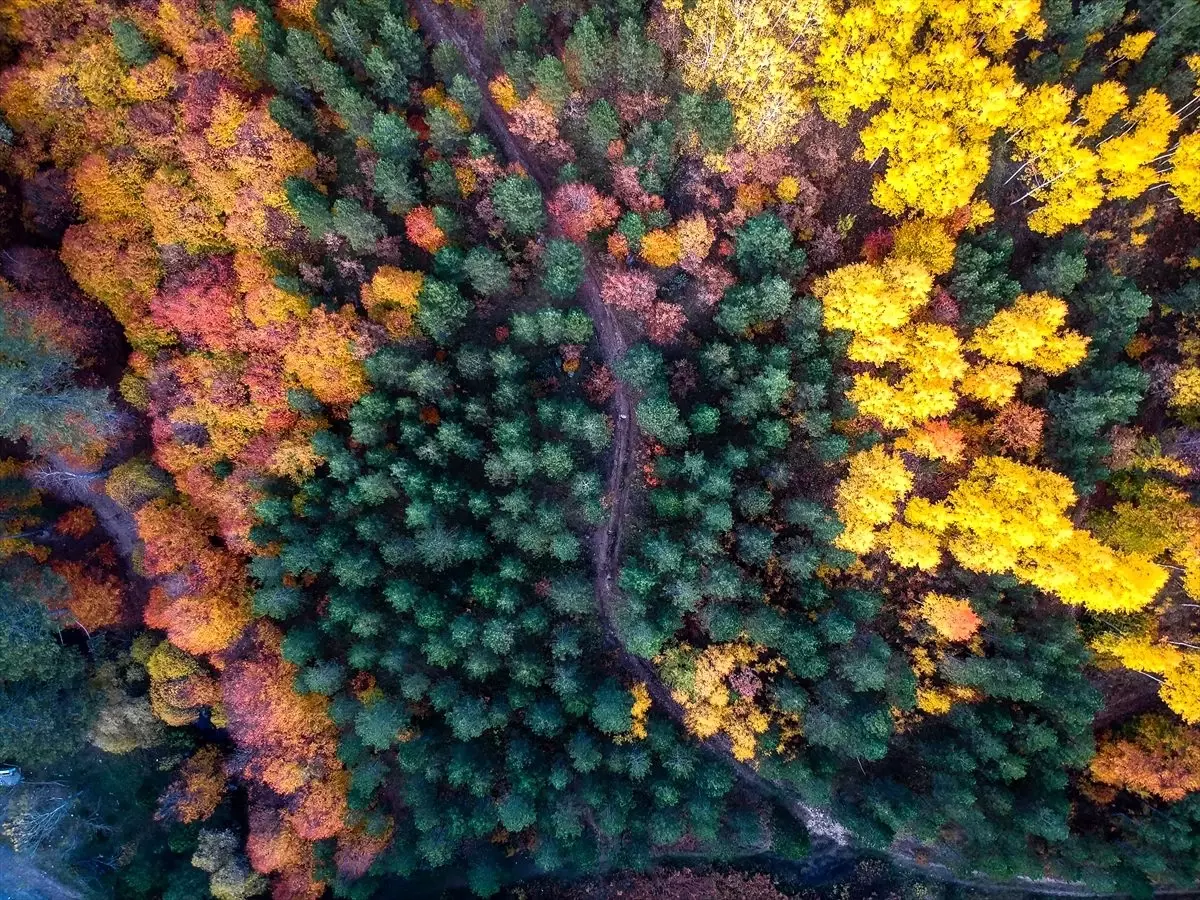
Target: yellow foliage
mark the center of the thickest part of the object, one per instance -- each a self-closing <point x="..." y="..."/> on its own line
<point x="1100" y="104"/>
<point x="1009" y="517"/>
<point x="788" y="189"/>
<point x="992" y="384"/>
<point x="912" y="548"/>
<point x="660" y="248"/>
<point x="924" y="241"/>
<point x="100" y="74"/>
<point x="1179" y="669"/>
<point x="1132" y="47"/>
<point x="1181" y="692"/>
<point x="932" y="701"/>
<point x="1127" y="161"/>
<point x="867" y="298"/>
<point x="1184" y="176"/>
<point x="110" y="191"/>
<point x="757" y="52"/>
<point x="640" y="710"/>
<point x="115" y="263"/>
<point x="694" y="236"/>
<point x="391" y="299"/>
<point x="178" y="214"/>
<point x="930" y="357"/>
<point x="711" y="707"/>
<point x="1163" y="521"/>
<point x="1031" y="333"/>
<point x="875" y="483"/>
<point x="326" y="360"/>
<point x="936" y="67"/>
<point x="1069" y="177"/>
<point x="504" y="93"/>
<point x="153" y="81"/>
<point x="228" y="115"/>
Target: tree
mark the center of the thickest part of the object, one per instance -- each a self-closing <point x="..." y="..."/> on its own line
<point x="441" y="309"/>
<point x="562" y="266"/>
<point x="45" y="703"/>
<point x="40" y="403"/>
<point x="518" y="203"/>
<point x="763" y="246"/>
<point x="758" y="57"/>
<point x="1009" y="517"/>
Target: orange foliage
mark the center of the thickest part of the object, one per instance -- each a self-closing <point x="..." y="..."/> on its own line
<point x="96" y="599"/>
<point x="201" y="599"/>
<point x="292" y="751"/>
<point x="326" y="357"/>
<point x="197" y="791"/>
<point x="76" y="522"/>
<point x="423" y="231"/>
<point x="1161" y="759"/>
<point x="1018" y="429"/>
<point x="950" y="617"/>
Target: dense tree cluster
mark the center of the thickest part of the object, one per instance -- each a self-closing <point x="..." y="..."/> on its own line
<point x="443" y="442"/>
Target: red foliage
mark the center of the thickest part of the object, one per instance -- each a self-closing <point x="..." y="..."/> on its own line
<point x="357" y="850"/>
<point x="664" y="321"/>
<point x="534" y="120"/>
<point x="286" y="740"/>
<point x="877" y="245"/>
<point x="580" y="209"/>
<point x="203" y="306"/>
<point x="1159" y="758"/>
<point x="423" y="231"/>
<point x="601" y="384"/>
<point x="629" y="289"/>
<point x="944" y="308"/>
<point x="630" y="191"/>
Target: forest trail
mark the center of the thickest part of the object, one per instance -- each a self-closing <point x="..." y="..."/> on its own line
<point x="21" y="879"/>
<point x="607" y="540"/>
<point x="70" y="485"/>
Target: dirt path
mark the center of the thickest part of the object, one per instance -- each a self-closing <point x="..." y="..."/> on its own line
<point x="21" y="879"/>
<point x="69" y="485"/>
<point x="607" y="541"/>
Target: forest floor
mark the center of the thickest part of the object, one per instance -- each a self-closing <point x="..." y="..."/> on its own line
<point x="20" y="879"/>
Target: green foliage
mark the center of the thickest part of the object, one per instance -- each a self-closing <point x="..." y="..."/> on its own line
<point x="135" y="50"/>
<point x="519" y="205"/>
<point x="562" y="266"/>
<point x="44" y="705"/>
<point x="40" y="402"/>
<point x="980" y="281"/>
<point x="445" y="557"/>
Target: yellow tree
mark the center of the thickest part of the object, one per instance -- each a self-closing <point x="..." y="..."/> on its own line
<point x="1031" y="333"/>
<point x="937" y="68"/>
<point x="1053" y="139"/>
<point x="756" y="51"/>
<point x="1007" y="517"/>
<point x="867" y="497"/>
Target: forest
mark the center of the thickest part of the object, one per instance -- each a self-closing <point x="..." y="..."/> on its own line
<point x="585" y="448"/>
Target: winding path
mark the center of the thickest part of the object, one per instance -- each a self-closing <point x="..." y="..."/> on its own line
<point x="607" y="539"/>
